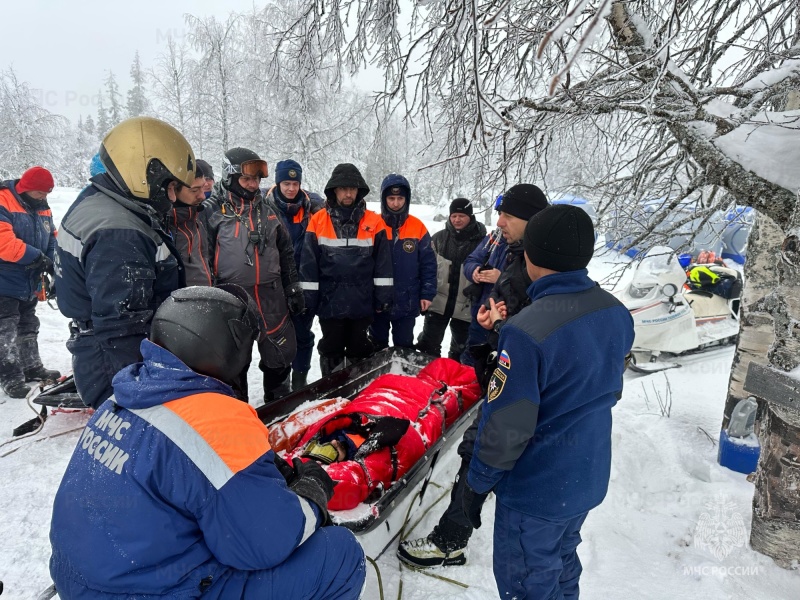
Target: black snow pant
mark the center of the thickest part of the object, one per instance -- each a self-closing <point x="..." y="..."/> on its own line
<point x="19" y="347"/>
<point x="454" y="529"/>
<point x="430" y="340"/>
<point x="343" y="338"/>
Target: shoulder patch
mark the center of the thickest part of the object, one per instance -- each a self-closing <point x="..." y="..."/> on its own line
<point x="504" y="360"/>
<point x="496" y="384"/>
<point x="409" y="245"/>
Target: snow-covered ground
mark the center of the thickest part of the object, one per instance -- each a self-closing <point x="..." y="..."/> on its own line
<point x="644" y="541"/>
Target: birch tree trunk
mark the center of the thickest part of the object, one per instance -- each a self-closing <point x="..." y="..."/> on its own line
<point x="770" y="325"/>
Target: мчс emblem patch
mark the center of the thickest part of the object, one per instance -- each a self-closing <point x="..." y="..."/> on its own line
<point x="292" y="174"/>
<point x="496" y="384"/>
<point x="409" y="245"/>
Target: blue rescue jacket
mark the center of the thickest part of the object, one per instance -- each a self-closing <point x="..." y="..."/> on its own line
<point x="25" y="233"/>
<point x="413" y="259"/>
<point x="346" y="266"/>
<point x="544" y="438"/>
<point x="477" y="258"/>
<point x="171" y="488"/>
<point x="114" y="267"/>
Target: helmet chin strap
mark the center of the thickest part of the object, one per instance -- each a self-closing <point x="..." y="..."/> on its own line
<point x="161" y="202"/>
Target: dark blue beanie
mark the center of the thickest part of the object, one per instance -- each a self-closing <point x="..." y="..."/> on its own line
<point x="288" y="170"/>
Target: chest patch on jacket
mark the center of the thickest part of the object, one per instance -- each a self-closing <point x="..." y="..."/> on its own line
<point x="496" y="384"/>
<point x="504" y="360"/>
<point x="409" y="245"/>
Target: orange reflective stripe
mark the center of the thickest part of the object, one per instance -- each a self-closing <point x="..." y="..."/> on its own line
<point x="371" y="224"/>
<point x="9" y="201"/>
<point x="229" y="426"/>
<point x="412" y="228"/>
<point x="11" y="247"/>
<point x="321" y="226"/>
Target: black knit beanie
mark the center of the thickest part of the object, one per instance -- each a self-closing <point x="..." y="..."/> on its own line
<point x="523" y="201"/>
<point x="461" y="206"/>
<point x="560" y="238"/>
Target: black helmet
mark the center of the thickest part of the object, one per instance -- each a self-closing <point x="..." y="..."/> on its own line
<point x="210" y="329"/>
<point x="241" y="161"/>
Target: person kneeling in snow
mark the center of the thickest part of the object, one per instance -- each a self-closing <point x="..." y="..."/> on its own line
<point x="173" y="489"/>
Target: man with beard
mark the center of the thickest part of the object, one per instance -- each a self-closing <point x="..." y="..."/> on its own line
<point x="114" y="262"/>
<point x="294" y="207"/>
<point x="452" y="245"/>
<point x="346" y="269"/>
<point x="189" y="231"/>
<point x="27" y="242"/>
<point x="252" y="249"/>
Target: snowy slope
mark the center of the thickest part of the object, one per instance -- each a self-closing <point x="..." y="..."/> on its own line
<point x="642" y="542"/>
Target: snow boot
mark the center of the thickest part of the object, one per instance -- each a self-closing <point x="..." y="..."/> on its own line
<point x="16" y="388"/>
<point x="41" y="374"/>
<point x="299" y="380"/>
<point x="423" y="553"/>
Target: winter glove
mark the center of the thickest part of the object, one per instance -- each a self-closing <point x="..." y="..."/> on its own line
<point x="472" y="504"/>
<point x="313" y="483"/>
<point x="40" y="265"/>
<point x="295" y="300"/>
<point x="285" y="468"/>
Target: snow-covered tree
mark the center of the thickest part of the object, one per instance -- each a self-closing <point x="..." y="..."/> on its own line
<point x="172" y="84"/>
<point x="103" y="119"/>
<point x="219" y="63"/>
<point x="29" y="134"/>
<point x="137" y="98"/>
<point x="686" y="102"/>
<point x="115" y="114"/>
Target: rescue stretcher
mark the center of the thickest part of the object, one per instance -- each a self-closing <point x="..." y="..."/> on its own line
<point x="345" y="383"/>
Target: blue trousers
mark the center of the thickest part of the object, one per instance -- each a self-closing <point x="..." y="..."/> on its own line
<point x="329" y="565"/>
<point x="305" y="341"/>
<point x="402" y="331"/>
<point x="536" y="559"/>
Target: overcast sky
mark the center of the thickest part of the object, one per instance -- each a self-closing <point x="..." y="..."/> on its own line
<point x="63" y="49"/>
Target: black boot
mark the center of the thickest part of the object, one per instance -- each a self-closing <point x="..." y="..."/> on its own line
<point x="299" y="380"/>
<point x="41" y="374"/>
<point x="15" y="388"/>
<point x="329" y="364"/>
<point x="279" y="391"/>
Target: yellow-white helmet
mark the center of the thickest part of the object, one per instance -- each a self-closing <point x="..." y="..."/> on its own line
<point x="143" y="155"/>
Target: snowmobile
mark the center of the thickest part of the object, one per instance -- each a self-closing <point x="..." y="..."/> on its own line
<point x="675" y="313"/>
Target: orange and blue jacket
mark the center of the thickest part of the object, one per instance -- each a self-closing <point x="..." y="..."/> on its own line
<point x="25" y="233"/>
<point x="172" y="483"/>
<point x="413" y="260"/>
<point x="346" y="265"/>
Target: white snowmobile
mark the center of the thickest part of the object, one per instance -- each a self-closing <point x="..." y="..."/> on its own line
<point x="677" y="314"/>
